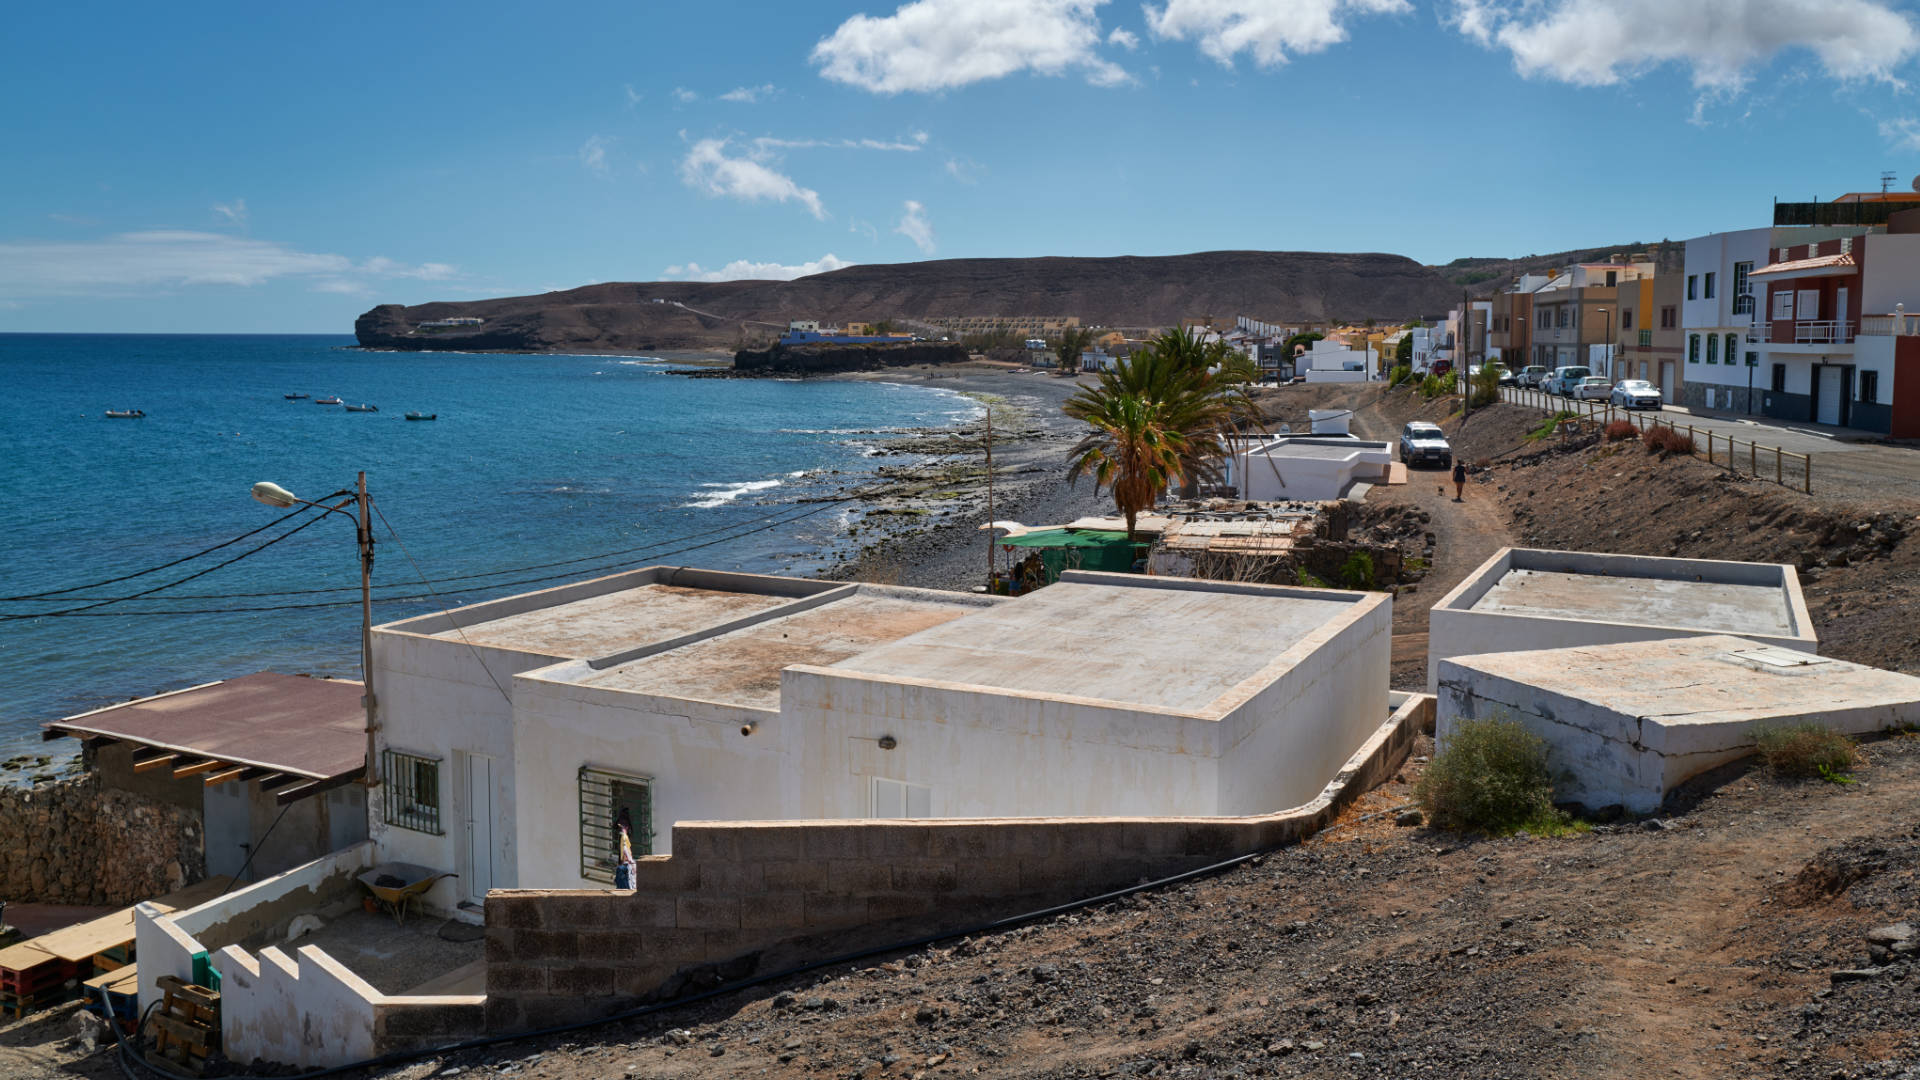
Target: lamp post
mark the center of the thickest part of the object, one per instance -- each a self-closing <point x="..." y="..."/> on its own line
<point x="1608" y="339"/>
<point x="280" y="498"/>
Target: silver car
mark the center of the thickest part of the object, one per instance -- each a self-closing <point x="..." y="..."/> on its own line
<point x="1592" y="388"/>
<point x="1423" y="443"/>
<point x="1636" y="394"/>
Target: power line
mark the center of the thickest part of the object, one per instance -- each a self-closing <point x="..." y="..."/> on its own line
<point x="250" y="552"/>
<point x="165" y="565"/>
<point x="592" y="571"/>
<point x="651" y="545"/>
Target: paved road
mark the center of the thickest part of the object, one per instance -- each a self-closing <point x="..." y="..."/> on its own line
<point x="1844" y="466"/>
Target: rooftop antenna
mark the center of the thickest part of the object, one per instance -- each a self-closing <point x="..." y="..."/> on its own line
<point x="1886" y="182"/>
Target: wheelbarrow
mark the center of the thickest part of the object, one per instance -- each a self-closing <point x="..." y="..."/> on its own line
<point x="396" y="884"/>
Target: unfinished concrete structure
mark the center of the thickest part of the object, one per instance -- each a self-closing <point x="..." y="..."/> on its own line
<point x="1530" y="598"/>
<point x="1626" y="723"/>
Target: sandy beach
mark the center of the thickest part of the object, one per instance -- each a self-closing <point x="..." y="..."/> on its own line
<point x="920" y="525"/>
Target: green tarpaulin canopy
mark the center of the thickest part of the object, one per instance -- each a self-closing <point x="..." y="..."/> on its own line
<point x="1077" y="549"/>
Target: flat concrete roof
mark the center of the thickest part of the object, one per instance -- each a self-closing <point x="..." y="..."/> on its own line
<point x="1181" y="647"/>
<point x="615" y="622"/>
<point x="1706" y="605"/>
<point x="1712" y="679"/>
<point x="743" y="667"/>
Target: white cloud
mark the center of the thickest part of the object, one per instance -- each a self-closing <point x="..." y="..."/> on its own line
<point x="1719" y="41"/>
<point x="1268" y="30"/>
<point x="966" y="171"/>
<point x="1903" y="133"/>
<point x="158" y="259"/>
<point x="864" y="228"/>
<point x="683" y="95"/>
<point x="749" y="95"/>
<point x="235" y="211"/>
<point x="593" y="154"/>
<point x="920" y="137"/>
<point x="914" y="226"/>
<point x="747" y="270"/>
<point x="767" y="142"/>
<point x="708" y="168"/>
<point x="634" y="97"/>
<point x="1124" y="38"/>
<point x="931" y="45"/>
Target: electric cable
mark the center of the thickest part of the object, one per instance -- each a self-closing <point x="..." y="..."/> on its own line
<point x="250" y="552"/>
<point x="456" y="577"/>
<point x="165" y="565"/>
<point x="83" y="613"/>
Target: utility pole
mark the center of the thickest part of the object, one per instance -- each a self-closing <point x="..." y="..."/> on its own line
<point x="366" y="631"/>
<point x="1461" y="364"/>
<point x="989" y="497"/>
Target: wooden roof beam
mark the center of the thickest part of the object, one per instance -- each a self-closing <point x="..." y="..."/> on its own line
<point x="148" y="764"/>
<point x="274" y="783"/>
<point x="315" y="787"/>
<point x="236" y="772"/>
<point x="195" y="768"/>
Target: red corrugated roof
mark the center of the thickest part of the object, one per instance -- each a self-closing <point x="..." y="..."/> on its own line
<point x="287" y="723"/>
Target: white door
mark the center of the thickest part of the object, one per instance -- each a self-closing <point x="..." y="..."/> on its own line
<point x="1828" y="411"/>
<point x="478" y="824"/>
<point x="1666" y="381"/>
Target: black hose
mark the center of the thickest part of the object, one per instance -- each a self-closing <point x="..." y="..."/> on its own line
<point x="1010" y="921"/>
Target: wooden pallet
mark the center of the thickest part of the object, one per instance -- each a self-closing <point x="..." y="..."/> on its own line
<point x="186" y="1027"/>
<point x="121" y="989"/>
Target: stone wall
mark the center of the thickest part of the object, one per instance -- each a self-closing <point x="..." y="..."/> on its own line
<point x="77" y="842"/>
<point x="737" y="898"/>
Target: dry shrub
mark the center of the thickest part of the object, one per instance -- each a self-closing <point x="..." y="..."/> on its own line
<point x="1663" y="439"/>
<point x="1804" y="751"/>
<point x="1491" y="777"/>
<point x="1620" y="431"/>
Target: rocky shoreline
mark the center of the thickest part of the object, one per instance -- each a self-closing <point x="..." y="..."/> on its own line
<point x="919" y="523"/>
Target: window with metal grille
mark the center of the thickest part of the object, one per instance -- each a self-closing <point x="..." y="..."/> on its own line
<point x="604" y="795"/>
<point x="411" y="793"/>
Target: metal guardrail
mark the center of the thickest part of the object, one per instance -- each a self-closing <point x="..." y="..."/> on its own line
<point x="1602" y="413"/>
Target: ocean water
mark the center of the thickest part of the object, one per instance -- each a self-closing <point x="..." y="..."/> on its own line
<point x="597" y="463"/>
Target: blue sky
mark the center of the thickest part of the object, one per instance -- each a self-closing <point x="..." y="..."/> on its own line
<point x="258" y="168"/>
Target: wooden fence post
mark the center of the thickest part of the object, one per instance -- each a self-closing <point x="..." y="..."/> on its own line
<point x="1777" y="476"/>
<point x="1753" y="458"/>
<point x="1808" y="461"/>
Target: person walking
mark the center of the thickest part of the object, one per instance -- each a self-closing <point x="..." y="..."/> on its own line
<point x="1459" y="480"/>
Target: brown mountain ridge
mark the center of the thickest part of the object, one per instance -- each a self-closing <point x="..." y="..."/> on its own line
<point x="1127" y="290"/>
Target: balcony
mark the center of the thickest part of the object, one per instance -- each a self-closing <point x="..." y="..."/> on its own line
<point x="1646" y="338"/>
<point x="1895" y="325"/>
<point x="1811" y="332"/>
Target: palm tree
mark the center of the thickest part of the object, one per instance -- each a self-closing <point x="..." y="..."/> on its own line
<point x="1073" y="341"/>
<point x="1156" y="423"/>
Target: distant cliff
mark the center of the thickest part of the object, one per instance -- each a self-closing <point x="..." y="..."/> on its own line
<point x="823" y="359"/>
<point x="1120" y="291"/>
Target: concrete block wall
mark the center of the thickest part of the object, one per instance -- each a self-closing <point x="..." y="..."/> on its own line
<point x="739" y="897"/>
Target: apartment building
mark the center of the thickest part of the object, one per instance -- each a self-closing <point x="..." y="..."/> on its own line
<point x="1510" y="335"/>
<point x="1835" y="343"/>
<point x="1576" y="313"/>
<point x="1648" y="338"/>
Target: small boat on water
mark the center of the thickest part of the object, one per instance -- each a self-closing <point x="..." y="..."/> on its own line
<point x="326" y="401"/>
<point x="126" y="414"/>
<point x="363" y="408"/>
<point x="423" y="416"/>
<point x="296" y="397"/>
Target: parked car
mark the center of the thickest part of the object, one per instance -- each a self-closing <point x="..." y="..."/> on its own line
<point x="1422" y="443"/>
<point x="1564" y="379"/>
<point x="1636" y="394"/>
<point x="1534" y="375"/>
<point x="1592" y="388"/>
<point x="1507" y="377"/>
<point x="1440" y="368"/>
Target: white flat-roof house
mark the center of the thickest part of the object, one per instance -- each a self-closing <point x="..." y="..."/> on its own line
<point x="523" y="727"/>
<point x="1524" y="599"/>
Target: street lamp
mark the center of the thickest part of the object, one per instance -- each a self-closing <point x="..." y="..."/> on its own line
<point x="1608" y="339"/>
<point x="280" y="498"/>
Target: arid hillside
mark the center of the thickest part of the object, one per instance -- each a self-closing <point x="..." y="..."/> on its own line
<point x="1124" y="291"/>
